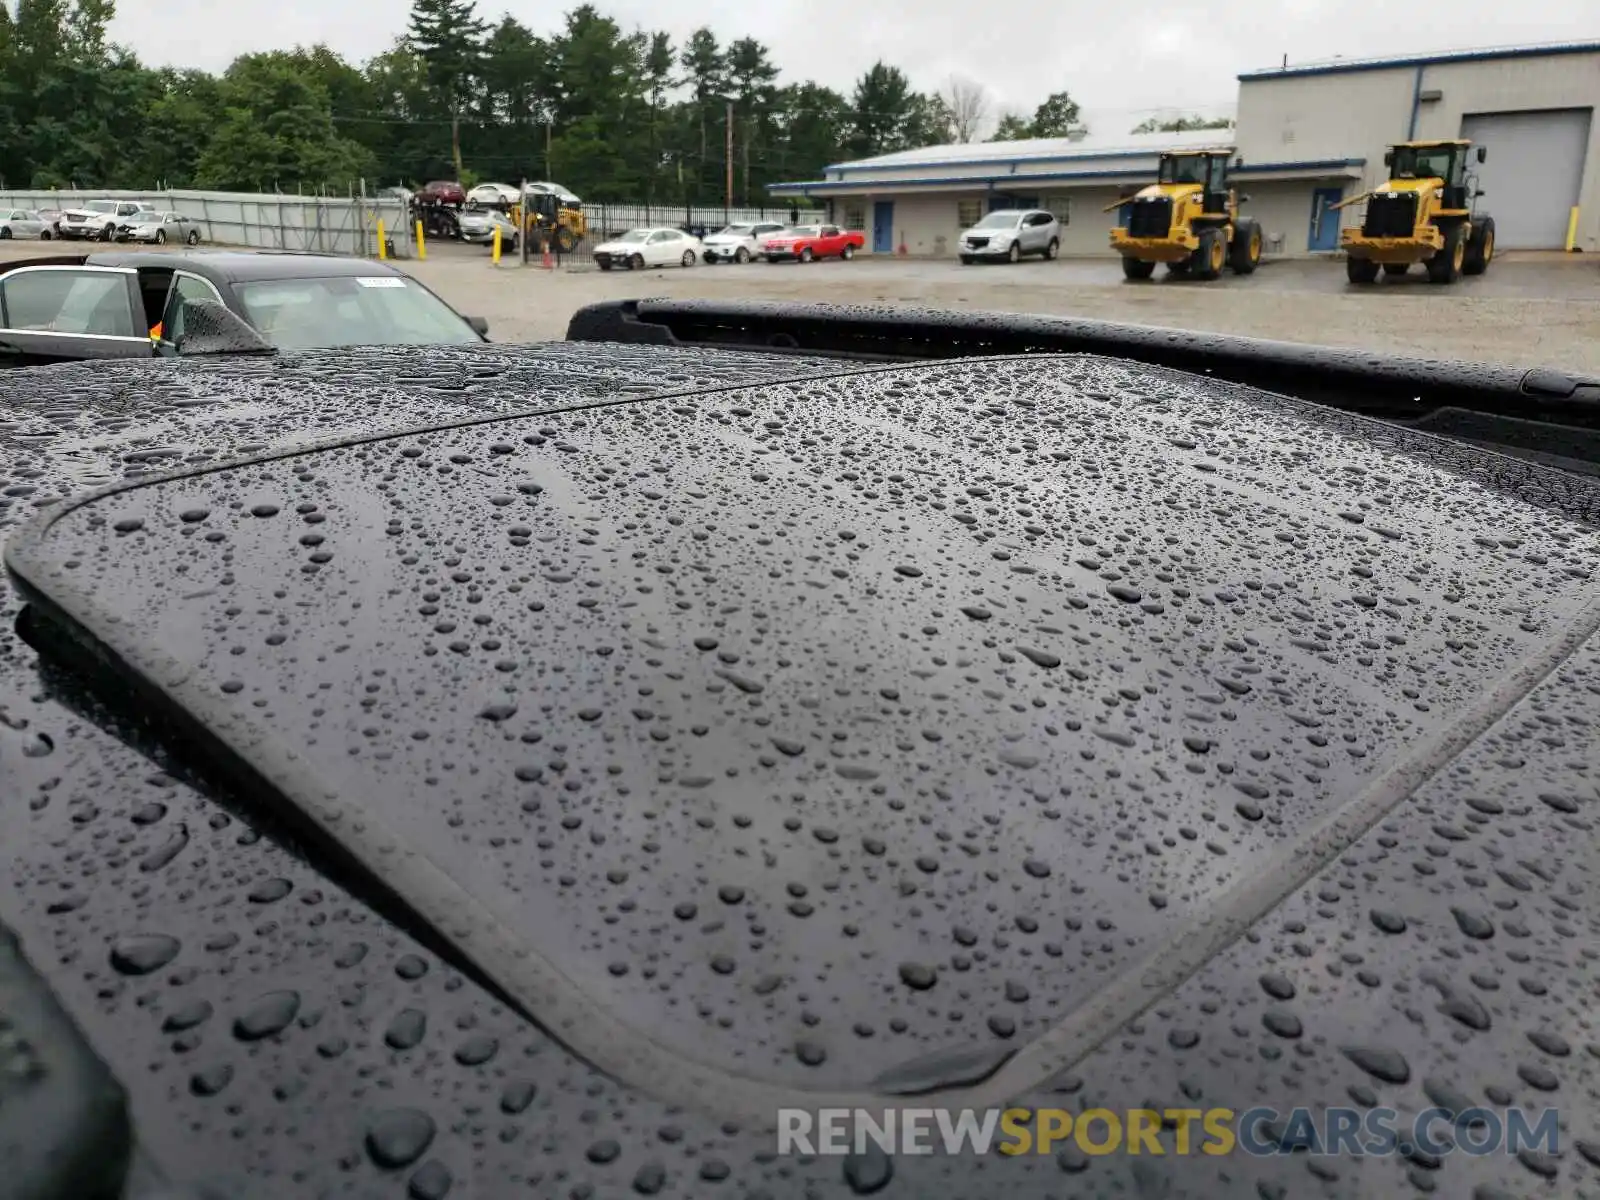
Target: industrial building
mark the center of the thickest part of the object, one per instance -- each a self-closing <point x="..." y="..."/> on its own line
<point x="1308" y="136"/>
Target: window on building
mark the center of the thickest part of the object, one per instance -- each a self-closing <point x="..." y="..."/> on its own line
<point x="1059" y="207"/>
<point x="968" y="213"/>
<point x="855" y="214"/>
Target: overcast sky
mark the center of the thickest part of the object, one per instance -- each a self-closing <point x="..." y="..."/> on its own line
<point x="1110" y="56"/>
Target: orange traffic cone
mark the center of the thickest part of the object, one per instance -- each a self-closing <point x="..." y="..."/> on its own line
<point x="547" y="263"/>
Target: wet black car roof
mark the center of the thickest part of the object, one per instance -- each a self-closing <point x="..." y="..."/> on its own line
<point x="1052" y="729"/>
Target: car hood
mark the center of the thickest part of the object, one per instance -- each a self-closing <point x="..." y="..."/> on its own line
<point x="1008" y="231"/>
<point x="619" y="247"/>
<point x="928" y="723"/>
<point x="87" y="212"/>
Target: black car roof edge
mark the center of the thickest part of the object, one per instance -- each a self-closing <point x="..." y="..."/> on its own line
<point x="549" y="997"/>
<point x="1308" y="370"/>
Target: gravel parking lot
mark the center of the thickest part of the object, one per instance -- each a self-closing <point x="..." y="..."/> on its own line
<point x="1530" y="309"/>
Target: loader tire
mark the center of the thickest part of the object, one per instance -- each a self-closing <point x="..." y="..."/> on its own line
<point x="1137" y="268"/>
<point x="1360" y="270"/>
<point x="1480" y="247"/>
<point x="1445" y="266"/>
<point x="1245" y="253"/>
<point x="566" y="240"/>
<point x="1210" y="257"/>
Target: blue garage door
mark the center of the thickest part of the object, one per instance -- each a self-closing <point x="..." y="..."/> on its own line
<point x="883" y="227"/>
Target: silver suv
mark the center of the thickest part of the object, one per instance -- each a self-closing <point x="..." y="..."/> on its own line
<point x="1009" y="233"/>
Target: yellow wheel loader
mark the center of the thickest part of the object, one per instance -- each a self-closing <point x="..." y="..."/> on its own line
<point x="1425" y="213"/>
<point x="551" y="215"/>
<point x="1189" y="219"/>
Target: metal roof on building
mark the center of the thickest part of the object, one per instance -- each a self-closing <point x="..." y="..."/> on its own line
<point x="1038" y="149"/>
<point x="1334" y="66"/>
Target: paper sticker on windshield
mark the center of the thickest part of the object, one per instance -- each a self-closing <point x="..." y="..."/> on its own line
<point x="389" y="281"/>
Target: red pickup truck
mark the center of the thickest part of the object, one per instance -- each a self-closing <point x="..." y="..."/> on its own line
<point x="806" y="242"/>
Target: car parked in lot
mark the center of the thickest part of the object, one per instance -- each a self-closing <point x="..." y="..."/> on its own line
<point x="98" y="219"/>
<point x="442" y="191"/>
<point x="492" y="195"/>
<point x="478" y="225"/>
<point x="130" y="304"/>
<point x="807" y="242"/>
<point x="159" y="228"/>
<point x="23" y="223"/>
<point x="1010" y="233"/>
<point x="739" y="243"/>
<point x="640" y="248"/>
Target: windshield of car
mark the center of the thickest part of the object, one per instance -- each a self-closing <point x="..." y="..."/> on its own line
<point x="999" y="220"/>
<point x="101" y="206"/>
<point x="803" y="231"/>
<point x="635" y="235"/>
<point x="346" y="310"/>
<point x="736" y="231"/>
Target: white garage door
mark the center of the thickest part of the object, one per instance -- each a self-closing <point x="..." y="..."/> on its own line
<point x="1535" y="169"/>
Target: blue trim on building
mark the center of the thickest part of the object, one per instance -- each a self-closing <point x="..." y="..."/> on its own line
<point x="1422" y="60"/>
<point x="989" y="182"/>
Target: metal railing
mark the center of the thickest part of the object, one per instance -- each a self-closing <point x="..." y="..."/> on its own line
<point x="314" y="224"/>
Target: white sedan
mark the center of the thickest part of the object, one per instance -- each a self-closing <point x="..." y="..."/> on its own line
<point x="23" y="223"/>
<point x="640" y="248"/>
<point x="492" y="195"/>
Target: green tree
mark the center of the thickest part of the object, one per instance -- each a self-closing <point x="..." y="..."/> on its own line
<point x="751" y="76"/>
<point x="705" y="74"/>
<point x="1057" y="117"/>
<point x="1012" y="128"/>
<point x="601" y="125"/>
<point x="812" y="130"/>
<point x="1180" y="124"/>
<point x="659" y="61"/>
<point x="277" y="131"/>
<point x="517" y="102"/>
<point x="448" y="36"/>
<point x="882" y="110"/>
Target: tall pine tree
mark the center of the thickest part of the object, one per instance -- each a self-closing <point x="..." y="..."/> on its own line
<point x="448" y="36"/>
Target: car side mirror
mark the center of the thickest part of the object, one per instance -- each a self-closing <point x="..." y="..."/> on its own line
<point x="211" y="328"/>
<point x="1483" y="154"/>
<point x="1388" y="158"/>
<point x="480" y="324"/>
<point x="1479" y="192"/>
<point x="1244" y="197"/>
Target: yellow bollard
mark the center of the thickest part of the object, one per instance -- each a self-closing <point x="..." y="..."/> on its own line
<point x="497" y="245"/>
<point x="1572" y="230"/>
<point x="422" y="246"/>
<point x="383" y="242"/>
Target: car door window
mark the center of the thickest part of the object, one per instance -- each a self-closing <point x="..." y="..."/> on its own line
<point x="184" y="287"/>
<point x="81" y="301"/>
<point x="830" y="231"/>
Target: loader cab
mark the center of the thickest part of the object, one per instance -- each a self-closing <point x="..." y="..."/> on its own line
<point x="1208" y="169"/>
<point x="1444" y="161"/>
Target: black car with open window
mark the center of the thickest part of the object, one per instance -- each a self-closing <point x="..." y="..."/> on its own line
<point x="129" y="304"/>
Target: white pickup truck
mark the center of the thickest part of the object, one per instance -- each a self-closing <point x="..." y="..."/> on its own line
<point x="98" y="219"/>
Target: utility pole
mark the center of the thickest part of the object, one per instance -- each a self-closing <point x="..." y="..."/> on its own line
<point x="728" y="202"/>
<point x="746" y="151"/>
